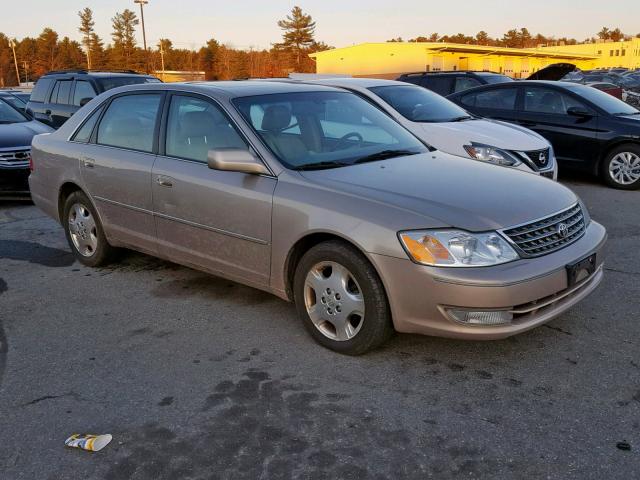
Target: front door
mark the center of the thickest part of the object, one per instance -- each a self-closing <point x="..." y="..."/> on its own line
<point x="574" y="138"/>
<point x="116" y="167"/>
<point x="212" y="219"/>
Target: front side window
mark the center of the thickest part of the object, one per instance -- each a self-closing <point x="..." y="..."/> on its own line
<point x="130" y="121"/>
<point x="546" y="100"/>
<point x="83" y="90"/>
<point x="196" y="126"/>
<point x="309" y="130"/>
<point x="606" y="102"/>
<point x="499" y="99"/>
<point x="9" y="114"/>
<point x="419" y="104"/>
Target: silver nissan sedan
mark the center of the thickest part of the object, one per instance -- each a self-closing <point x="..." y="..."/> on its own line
<point x="315" y="195"/>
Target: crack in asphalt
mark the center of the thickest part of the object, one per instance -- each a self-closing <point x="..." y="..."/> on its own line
<point x="609" y="269"/>
<point x="44" y="398"/>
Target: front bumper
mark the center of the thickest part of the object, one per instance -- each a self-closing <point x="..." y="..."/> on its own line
<point x="536" y="290"/>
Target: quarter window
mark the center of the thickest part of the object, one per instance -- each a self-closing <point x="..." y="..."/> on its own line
<point x="84" y="134"/>
<point x="129" y="122"/>
<point x="83" y="90"/>
<point x="196" y="126"/>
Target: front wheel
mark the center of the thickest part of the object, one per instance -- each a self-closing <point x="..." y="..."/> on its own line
<point x="84" y="231"/>
<point x="621" y="167"/>
<point x="341" y="299"/>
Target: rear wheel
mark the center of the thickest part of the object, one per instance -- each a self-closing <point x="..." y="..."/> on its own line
<point x="621" y="167"/>
<point x="84" y="231"/>
<point x="341" y="299"/>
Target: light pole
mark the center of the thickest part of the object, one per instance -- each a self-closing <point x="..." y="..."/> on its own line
<point x="15" y="60"/>
<point x="144" y="33"/>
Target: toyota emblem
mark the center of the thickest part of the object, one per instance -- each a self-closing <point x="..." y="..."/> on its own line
<point x="563" y="230"/>
<point x="543" y="158"/>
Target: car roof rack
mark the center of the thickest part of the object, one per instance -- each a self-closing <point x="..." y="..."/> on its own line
<point x="84" y="71"/>
<point x="436" y="72"/>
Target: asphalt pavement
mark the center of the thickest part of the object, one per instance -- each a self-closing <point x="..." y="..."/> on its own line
<point x="201" y="378"/>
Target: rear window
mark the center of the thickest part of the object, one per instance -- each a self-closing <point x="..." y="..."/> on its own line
<point x="115" y="82"/>
<point x="492" y="78"/>
<point x="40" y="90"/>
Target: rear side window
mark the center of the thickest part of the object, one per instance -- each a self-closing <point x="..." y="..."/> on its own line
<point x="196" y="126"/>
<point x="439" y="84"/>
<point x="40" y="90"/>
<point x="84" y="134"/>
<point x="130" y="121"/>
<point x="61" y="91"/>
<point x="547" y="100"/>
<point x="502" y="99"/>
<point x="83" y="90"/>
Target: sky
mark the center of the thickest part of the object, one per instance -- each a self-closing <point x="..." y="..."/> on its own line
<point x="252" y="23"/>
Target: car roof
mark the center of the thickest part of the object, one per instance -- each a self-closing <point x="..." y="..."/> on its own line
<point x="96" y="74"/>
<point x="230" y="89"/>
<point x="359" y="82"/>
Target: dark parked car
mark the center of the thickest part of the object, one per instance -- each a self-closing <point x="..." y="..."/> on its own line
<point x="610" y="88"/>
<point x="16" y="99"/>
<point x="445" y="83"/>
<point x="16" y="131"/>
<point x="58" y="95"/>
<point x="589" y="129"/>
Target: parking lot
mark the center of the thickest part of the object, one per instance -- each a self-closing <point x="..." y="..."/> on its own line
<point x="199" y="377"/>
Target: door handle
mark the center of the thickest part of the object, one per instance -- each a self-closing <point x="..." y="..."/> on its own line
<point x="88" y="162"/>
<point x="164" y="181"/>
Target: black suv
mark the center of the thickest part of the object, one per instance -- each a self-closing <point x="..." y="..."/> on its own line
<point x="446" y="83"/>
<point x="58" y="95"/>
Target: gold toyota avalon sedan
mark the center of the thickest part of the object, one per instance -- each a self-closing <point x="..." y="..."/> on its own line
<point x="313" y="194"/>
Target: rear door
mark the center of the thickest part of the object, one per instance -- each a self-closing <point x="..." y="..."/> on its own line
<point x="116" y="166"/>
<point x="59" y="107"/>
<point x="499" y="103"/>
<point x="219" y="220"/>
<point x="574" y="138"/>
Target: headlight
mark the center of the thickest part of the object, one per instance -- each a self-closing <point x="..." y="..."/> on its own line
<point x="487" y="153"/>
<point x="456" y="248"/>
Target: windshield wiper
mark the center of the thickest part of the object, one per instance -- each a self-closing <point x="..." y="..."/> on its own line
<point x="619" y="114"/>
<point x="384" y="155"/>
<point x="461" y="119"/>
<point x="321" y="165"/>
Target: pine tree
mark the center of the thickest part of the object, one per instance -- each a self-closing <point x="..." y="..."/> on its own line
<point x="299" y="30"/>
<point x="124" y="40"/>
<point x="86" y="29"/>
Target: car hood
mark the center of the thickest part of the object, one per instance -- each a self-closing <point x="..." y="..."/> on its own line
<point x="502" y="135"/>
<point x="553" y="72"/>
<point x="20" y="134"/>
<point x="450" y="191"/>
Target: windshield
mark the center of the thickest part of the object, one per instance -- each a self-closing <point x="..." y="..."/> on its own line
<point x="419" y="104"/>
<point x="492" y="78"/>
<point x="114" y="82"/>
<point x="606" y="102"/>
<point x="9" y="114"/>
<point x="313" y="130"/>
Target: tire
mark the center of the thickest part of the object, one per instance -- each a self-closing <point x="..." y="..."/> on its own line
<point x="88" y="242"/>
<point x="334" y="282"/>
<point x="621" y="167"/>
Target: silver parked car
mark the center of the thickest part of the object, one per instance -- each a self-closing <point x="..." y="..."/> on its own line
<point x="314" y="194"/>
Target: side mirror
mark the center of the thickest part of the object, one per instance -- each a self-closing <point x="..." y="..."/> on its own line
<point x="235" y="160"/>
<point x="84" y="101"/>
<point x="579" y="112"/>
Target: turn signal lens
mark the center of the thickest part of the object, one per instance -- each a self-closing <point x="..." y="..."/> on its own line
<point x="426" y="249"/>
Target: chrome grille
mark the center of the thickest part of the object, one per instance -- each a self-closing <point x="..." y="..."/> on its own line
<point x="540" y="158"/>
<point x="548" y="234"/>
<point x="15" y="157"/>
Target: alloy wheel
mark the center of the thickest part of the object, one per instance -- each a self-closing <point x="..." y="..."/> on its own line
<point x="624" y="168"/>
